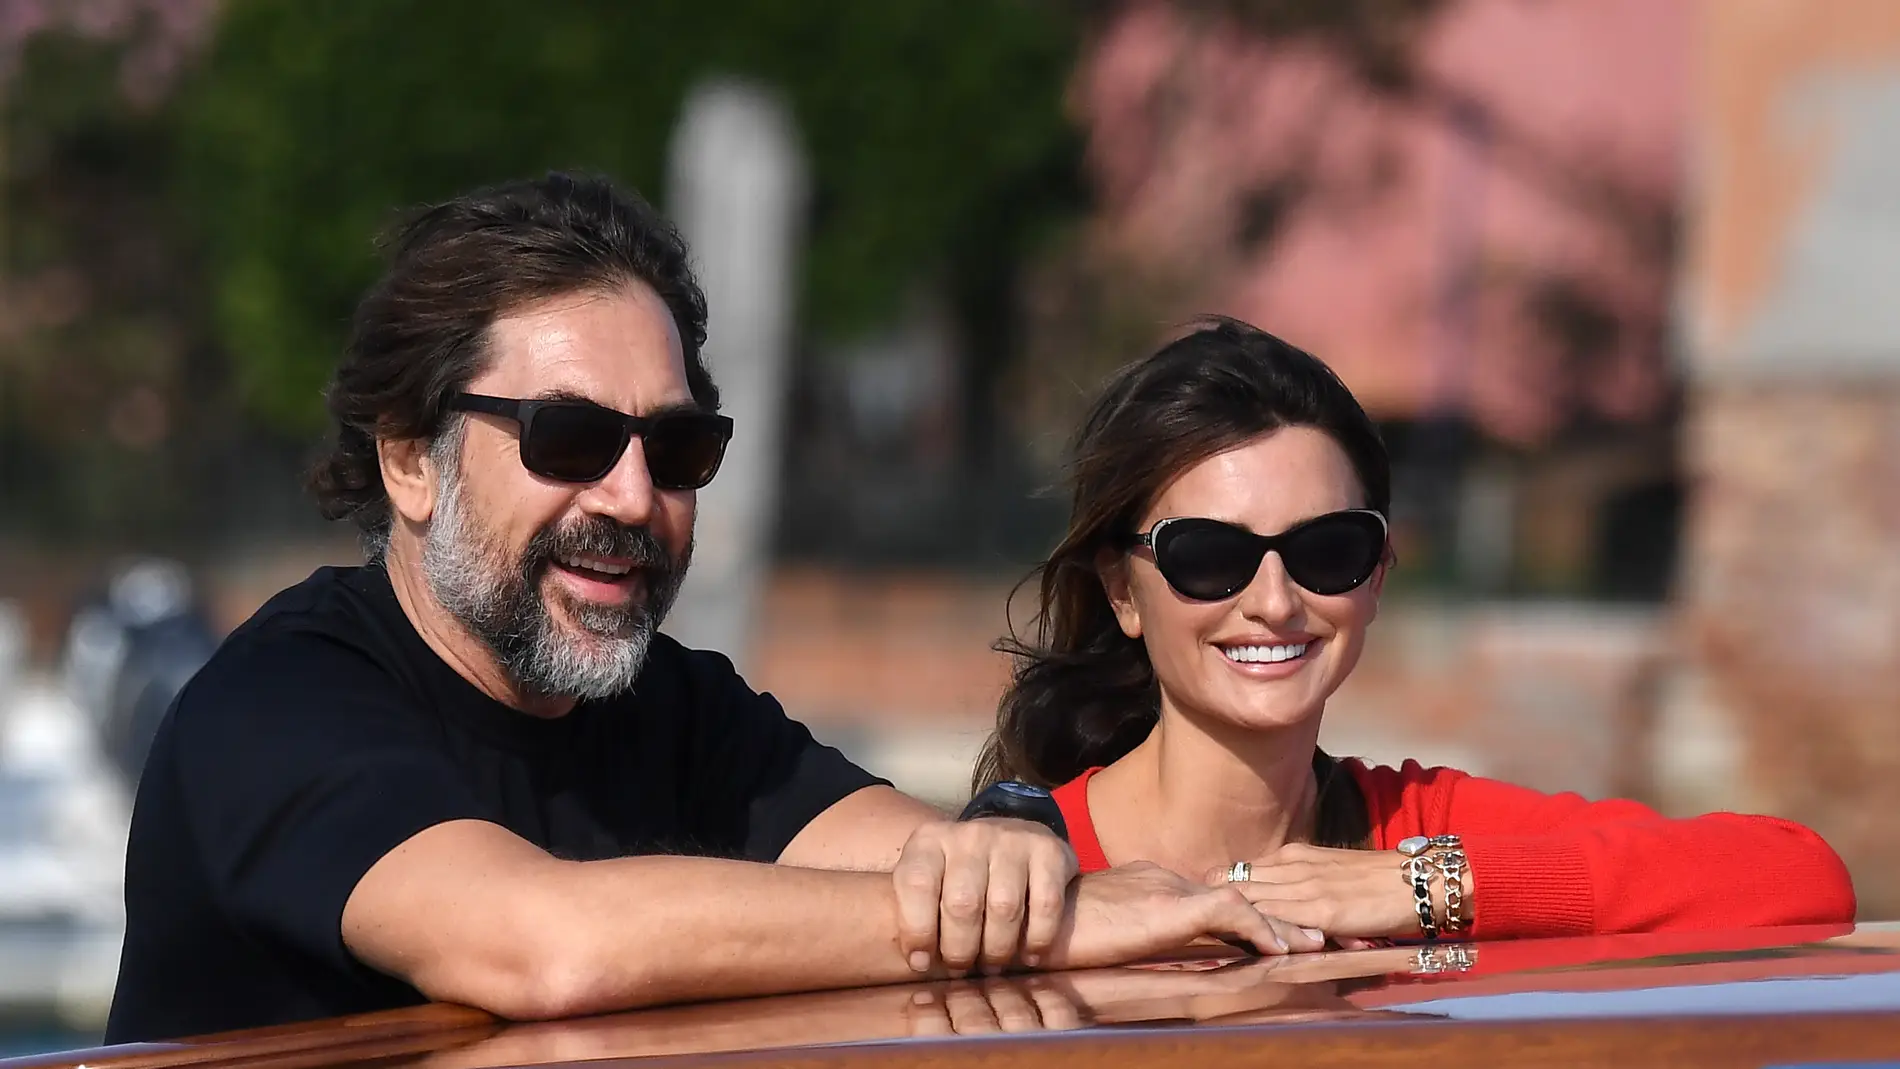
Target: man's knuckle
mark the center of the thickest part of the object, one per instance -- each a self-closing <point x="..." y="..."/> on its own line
<point x="1005" y="907"/>
<point x="914" y="877"/>
<point x="963" y="906"/>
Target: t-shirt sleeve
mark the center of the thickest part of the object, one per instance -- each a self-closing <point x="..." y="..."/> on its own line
<point x="758" y="776"/>
<point x="300" y="767"/>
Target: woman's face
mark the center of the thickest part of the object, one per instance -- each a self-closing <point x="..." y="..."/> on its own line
<point x="1207" y="655"/>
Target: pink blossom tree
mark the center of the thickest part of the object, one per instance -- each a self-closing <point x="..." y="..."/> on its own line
<point x="1466" y="206"/>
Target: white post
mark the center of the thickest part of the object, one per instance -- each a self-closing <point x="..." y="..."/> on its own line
<point x="736" y="188"/>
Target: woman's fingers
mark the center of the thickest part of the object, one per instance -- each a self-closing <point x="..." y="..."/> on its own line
<point x="1300" y="911"/>
<point x="1268" y="872"/>
<point x="1300" y="939"/>
<point x="1243" y="919"/>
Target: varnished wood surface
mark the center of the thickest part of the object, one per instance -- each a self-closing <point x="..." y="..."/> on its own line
<point x="1700" y="1043"/>
<point x="1326" y="1009"/>
<point x="338" y="1041"/>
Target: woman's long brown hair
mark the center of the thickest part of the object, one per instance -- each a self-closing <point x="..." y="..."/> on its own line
<point x="1082" y="693"/>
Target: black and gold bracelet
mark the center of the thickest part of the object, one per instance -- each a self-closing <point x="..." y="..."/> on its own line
<point x="1417" y="871"/>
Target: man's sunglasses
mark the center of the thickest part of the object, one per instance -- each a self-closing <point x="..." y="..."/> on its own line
<point x="580" y="442"/>
<point x="1209" y="560"/>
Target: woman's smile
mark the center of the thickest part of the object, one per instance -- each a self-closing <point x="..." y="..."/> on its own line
<point x="1269" y="659"/>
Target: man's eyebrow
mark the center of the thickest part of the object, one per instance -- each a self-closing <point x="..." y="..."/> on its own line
<point x="675" y="408"/>
<point x="670" y="408"/>
<point x="563" y="393"/>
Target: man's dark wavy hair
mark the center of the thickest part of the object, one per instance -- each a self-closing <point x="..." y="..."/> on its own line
<point x="421" y="332"/>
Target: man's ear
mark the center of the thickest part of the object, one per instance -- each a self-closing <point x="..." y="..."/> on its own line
<point x="1112" y="568"/>
<point x="409" y="477"/>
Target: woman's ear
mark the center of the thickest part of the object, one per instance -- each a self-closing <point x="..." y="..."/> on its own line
<point x="1377" y="582"/>
<point x="409" y="477"/>
<point x="1112" y="568"/>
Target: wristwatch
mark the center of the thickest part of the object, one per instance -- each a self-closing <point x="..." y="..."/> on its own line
<point x="1021" y="801"/>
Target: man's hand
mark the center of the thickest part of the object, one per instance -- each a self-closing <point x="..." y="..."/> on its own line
<point x="1004" y="1004"/>
<point x="1139" y="910"/>
<point x="989" y="891"/>
<point x="1351" y="895"/>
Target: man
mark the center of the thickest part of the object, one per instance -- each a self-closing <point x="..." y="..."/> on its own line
<point x="473" y="771"/>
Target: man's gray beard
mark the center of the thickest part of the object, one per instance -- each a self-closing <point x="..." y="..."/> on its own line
<point x="500" y="602"/>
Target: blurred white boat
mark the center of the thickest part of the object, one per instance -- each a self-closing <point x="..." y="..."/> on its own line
<point x="64" y="811"/>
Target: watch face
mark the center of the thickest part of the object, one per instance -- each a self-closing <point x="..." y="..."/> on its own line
<point x="1022" y="790"/>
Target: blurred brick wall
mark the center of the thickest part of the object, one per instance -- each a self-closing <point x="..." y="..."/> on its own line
<point x="898" y="669"/>
<point x="1791" y="564"/>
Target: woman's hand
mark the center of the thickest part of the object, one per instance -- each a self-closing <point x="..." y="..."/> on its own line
<point x="1140" y="909"/>
<point x="1351" y="895"/>
<point x="986" y="891"/>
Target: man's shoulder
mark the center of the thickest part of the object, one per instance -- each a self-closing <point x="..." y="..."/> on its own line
<point x="676" y="671"/>
<point x="319" y="633"/>
<point x="331" y="599"/>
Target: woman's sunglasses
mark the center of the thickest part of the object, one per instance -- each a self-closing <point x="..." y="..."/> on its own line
<point x="580" y="442"/>
<point x="1209" y="560"/>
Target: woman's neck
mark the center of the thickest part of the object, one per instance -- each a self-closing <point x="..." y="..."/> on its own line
<point x="1193" y="799"/>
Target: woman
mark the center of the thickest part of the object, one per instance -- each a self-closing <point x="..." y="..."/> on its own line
<point x="1224" y="559"/>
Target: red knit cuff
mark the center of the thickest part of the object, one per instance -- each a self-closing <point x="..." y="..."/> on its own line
<point x="1529" y="887"/>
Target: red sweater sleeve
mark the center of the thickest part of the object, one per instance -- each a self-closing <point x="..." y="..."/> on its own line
<point x="1559" y="864"/>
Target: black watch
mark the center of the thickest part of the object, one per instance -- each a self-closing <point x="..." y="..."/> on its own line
<point x="1021" y="801"/>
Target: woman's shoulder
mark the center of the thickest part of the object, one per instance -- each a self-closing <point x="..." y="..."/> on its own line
<point x="1072" y="798"/>
<point x="1411" y="774"/>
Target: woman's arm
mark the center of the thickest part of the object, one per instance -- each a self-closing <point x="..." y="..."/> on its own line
<point x="1559" y="864"/>
<point x="1555" y="865"/>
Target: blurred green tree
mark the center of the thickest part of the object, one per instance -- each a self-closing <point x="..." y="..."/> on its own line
<point x="937" y="143"/>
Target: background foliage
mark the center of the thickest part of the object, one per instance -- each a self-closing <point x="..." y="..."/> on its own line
<point x="240" y="210"/>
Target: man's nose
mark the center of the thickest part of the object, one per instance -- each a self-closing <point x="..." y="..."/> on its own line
<point x="626" y="493"/>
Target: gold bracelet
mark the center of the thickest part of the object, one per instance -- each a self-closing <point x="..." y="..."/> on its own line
<point x="1451" y="865"/>
<point x="1421" y="862"/>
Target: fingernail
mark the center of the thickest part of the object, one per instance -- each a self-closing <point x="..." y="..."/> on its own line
<point x="919" y="961"/>
<point x="1032" y="960"/>
<point x="1314" y="934"/>
<point x="1281" y="943"/>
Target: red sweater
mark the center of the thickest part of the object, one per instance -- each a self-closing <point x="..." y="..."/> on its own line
<point x="1558" y="864"/>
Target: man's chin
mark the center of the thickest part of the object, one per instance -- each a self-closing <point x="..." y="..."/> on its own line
<point x="593" y="623"/>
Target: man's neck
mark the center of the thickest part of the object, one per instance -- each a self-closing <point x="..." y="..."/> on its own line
<point x="451" y="641"/>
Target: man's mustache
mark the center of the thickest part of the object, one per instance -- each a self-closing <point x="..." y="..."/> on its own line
<point x="598" y="537"/>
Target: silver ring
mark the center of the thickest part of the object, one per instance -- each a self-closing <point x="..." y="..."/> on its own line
<point x="1240" y="872"/>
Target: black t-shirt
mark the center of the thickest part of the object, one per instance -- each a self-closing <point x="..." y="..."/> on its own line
<point x="325" y="732"/>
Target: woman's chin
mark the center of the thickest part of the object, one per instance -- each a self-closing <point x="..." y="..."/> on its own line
<point x="1277" y="714"/>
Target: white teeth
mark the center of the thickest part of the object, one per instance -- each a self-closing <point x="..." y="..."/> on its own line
<point x="1264" y="654"/>
<point x="596" y="564"/>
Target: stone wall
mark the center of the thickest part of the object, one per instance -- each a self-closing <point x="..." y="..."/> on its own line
<point x="1790" y="577"/>
<point x="1792" y="608"/>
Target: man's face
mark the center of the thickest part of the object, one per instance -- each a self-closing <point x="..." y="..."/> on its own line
<point x="564" y="582"/>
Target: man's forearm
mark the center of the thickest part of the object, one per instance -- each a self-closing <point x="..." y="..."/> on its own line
<point x="650" y="930"/>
